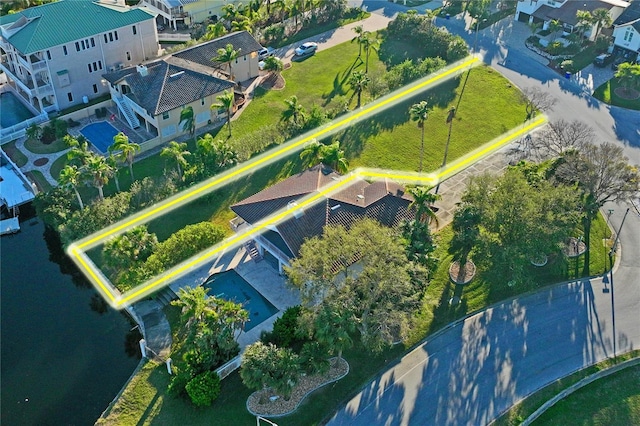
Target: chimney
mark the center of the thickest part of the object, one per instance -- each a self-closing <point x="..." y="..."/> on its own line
<point x="142" y="70"/>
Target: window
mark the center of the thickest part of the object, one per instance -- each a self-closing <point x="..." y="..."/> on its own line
<point x="100" y="64"/>
<point x="93" y="42"/>
<point x="202" y="101"/>
<point x="77" y="46"/>
<point x="95" y="66"/>
<point x="82" y="44"/>
<point x="110" y="36"/>
<point x="64" y="50"/>
<point x="115" y="33"/>
<point x="48" y="55"/>
<point x="95" y="88"/>
<point x="70" y="96"/>
<point x="128" y="56"/>
<point x="89" y="65"/>
<point x="135" y="31"/>
<point x="105" y="39"/>
<point x="165" y="115"/>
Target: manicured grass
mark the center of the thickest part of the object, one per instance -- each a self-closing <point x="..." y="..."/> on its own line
<point x="42" y="183"/>
<point x="15" y="154"/>
<point x="516" y="414"/>
<point x="583" y="58"/>
<point x="38" y="147"/>
<point x="310" y="31"/>
<point x="612" y="400"/>
<point x="390" y="140"/>
<point x="57" y="166"/>
<point x="606" y="93"/>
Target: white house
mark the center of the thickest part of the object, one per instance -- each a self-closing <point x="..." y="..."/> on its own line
<point x="626" y="32"/>
<point x="54" y="55"/>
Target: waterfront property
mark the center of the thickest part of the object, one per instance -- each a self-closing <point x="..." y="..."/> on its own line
<point x="12" y="111"/>
<point x="15" y="190"/>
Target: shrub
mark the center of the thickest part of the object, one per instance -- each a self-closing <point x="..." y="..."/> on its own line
<point x="555" y="48"/>
<point x="313" y="358"/>
<point x="48" y="134"/>
<point x="274" y="33"/>
<point x="204" y="389"/>
<point x="284" y="328"/>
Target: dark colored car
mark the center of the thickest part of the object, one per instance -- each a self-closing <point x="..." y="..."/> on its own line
<point x="603" y="60"/>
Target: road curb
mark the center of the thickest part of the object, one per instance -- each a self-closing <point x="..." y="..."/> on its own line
<point x="578" y="385"/>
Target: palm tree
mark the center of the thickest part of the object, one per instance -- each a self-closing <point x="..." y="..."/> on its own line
<point x="225" y="155"/>
<point x="274" y="65"/>
<point x="369" y="42"/>
<point x="333" y="328"/>
<point x="79" y="152"/>
<point x="126" y="149"/>
<point x="226" y="103"/>
<point x="360" y="35"/>
<point x="229" y="12"/>
<point x="99" y="171"/>
<point x="358" y="82"/>
<point x="242" y="23"/>
<point x="601" y="18"/>
<point x="113" y="162"/>
<point x="628" y="75"/>
<point x="312" y="153"/>
<point x="70" y="176"/>
<point x="554" y="27"/>
<point x="585" y="20"/>
<point x="420" y="112"/>
<point x="214" y="31"/>
<point x="334" y="157"/>
<point x="422" y="202"/>
<point x="188" y="120"/>
<point x="33" y="132"/>
<point x="294" y="110"/>
<point x="178" y="152"/>
<point x="227" y="55"/>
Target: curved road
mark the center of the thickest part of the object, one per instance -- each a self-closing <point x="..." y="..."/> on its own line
<point x="475" y="369"/>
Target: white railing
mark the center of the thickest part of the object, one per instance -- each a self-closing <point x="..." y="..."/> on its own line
<point x="17" y="128"/>
<point x="169" y="37"/>
<point x="39" y="66"/>
<point x="260" y="239"/>
<point x="129" y="115"/>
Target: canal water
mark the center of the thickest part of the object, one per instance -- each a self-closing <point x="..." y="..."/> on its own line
<point x="65" y="353"/>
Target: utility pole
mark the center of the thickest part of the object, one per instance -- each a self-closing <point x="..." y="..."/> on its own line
<point x="450" y="117"/>
<point x="613" y="310"/>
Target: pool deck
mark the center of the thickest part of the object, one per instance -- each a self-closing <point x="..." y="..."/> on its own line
<point x="261" y="276"/>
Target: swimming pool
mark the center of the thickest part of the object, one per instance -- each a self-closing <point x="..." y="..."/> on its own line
<point x="12" y="111"/>
<point x="231" y="286"/>
<point x="100" y="135"/>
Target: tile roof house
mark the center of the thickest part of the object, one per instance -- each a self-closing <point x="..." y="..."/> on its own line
<point x="384" y="201"/>
<point x="626" y="31"/>
<point x="153" y="95"/>
<point x="186" y="12"/>
<point x="564" y="11"/>
<point x="54" y="55"/>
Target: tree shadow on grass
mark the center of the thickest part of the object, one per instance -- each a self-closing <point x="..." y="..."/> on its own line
<point x="339" y="81"/>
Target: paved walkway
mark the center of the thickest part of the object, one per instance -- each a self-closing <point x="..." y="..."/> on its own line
<point x="155" y="328"/>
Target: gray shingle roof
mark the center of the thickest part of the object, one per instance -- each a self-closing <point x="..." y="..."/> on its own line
<point x="384" y="201"/>
<point x="65" y="21"/>
<point x="203" y="53"/>
<point x="567" y="12"/>
<point x="631" y="15"/>
<point x="167" y="86"/>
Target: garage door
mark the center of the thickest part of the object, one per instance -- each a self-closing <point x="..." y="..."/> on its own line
<point x="523" y="17"/>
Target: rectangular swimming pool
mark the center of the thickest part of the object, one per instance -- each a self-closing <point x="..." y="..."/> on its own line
<point x="12" y="111"/>
<point x="100" y="134"/>
<point x="231" y="286"/>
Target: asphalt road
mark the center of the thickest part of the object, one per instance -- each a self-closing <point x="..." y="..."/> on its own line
<point x="475" y="369"/>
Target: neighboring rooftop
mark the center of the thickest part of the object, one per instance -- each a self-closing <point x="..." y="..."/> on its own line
<point x="384" y="201"/>
<point x="167" y="86"/>
<point x="52" y="24"/>
<point x="204" y="53"/>
<point x="567" y="12"/>
<point x="631" y="16"/>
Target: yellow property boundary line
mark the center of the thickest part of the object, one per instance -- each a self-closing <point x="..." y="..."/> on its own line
<point x="77" y="250"/>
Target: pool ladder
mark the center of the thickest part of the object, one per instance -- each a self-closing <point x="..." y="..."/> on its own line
<point x="251" y="248"/>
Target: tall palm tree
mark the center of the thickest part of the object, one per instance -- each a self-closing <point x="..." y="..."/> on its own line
<point x="225" y="101"/>
<point x="628" y="75"/>
<point x="99" y="171"/>
<point x="601" y="18"/>
<point x="114" y="163"/>
<point x="420" y="112"/>
<point x="127" y="150"/>
<point x="227" y="55"/>
<point x="229" y="12"/>
<point x="312" y="154"/>
<point x="334" y="157"/>
<point x="70" y="176"/>
<point x="225" y="155"/>
<point x="554" y="27"/>
<point x="242" y="23"/>
<point x="360" y="35"/>
<point x="214" y="31"/>
<point x="370" y="42"/>
<point x="79" y="152"/>
<point x="188" y="120"/>
<point x="358" y="82"/>
<point x="585" y="20"/>
<point x="294" y="110"/>
<point x="177" y="152"/>
<point x="422" y="202"/>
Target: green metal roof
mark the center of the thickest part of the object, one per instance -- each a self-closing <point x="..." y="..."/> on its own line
<point x="65" y="21"/>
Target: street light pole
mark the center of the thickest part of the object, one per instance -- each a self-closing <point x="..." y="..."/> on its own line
<point x="613" y="311"/>
<point x="452" y="114"/>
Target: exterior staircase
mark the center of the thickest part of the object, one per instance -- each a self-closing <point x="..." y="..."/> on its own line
<point x="251" y="248"/>
<point x="128" y="113"/>
<point x="165" y="296"/>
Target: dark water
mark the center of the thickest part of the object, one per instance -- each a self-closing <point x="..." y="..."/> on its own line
<point x="65" y="354"/>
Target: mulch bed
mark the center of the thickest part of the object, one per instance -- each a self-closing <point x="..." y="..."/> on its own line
<point x="464" y="275"/>
<point x="306" y="385"/>
<point x="273" y="82"/>
<point x="40" y="161"/>
<point x="630" y="94"/>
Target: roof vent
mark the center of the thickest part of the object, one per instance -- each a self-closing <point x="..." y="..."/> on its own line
<point x="336" y="207"/>
<point x="177" y="74"/>
<point x="142" y="70"/>
<point x="361" y="197"/>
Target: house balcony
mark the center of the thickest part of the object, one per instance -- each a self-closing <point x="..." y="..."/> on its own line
<point x="39" y="90"/>
<point x="34" y="64"/>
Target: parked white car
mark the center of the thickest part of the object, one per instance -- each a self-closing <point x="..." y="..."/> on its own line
<point x="265" y="52"/>
<point x="308" y="48"/>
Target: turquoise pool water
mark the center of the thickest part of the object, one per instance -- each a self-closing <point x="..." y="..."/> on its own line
<point x="231" y="286"/>
<point x="12" y="111"/>
<point x="100" y="135"/>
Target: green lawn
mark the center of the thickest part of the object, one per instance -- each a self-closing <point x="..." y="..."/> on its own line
<point x="583" y="58"/>
<point x="15" y="154"/>
<point x="612" y="400"/>
<point x="606" y="93"/>
<point x="38" y="147"/>
<point x="42" y="183"/>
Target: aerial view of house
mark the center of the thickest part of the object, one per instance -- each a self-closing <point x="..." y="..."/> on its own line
<point x="412" y="212"/>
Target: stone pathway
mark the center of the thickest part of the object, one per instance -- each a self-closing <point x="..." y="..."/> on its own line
<point x="31" y="157"/>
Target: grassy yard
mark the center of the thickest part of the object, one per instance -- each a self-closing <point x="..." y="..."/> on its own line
<point x="38" y="147"/>
<point x="612" y="400"/>
<point x="606" y="93"/>
<point x="15" y="154"/>
<point x="583" y="58"/>
<point x="526" y="407"/>
<point x="145" y="401"/>
<point x="42" y="183"/>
